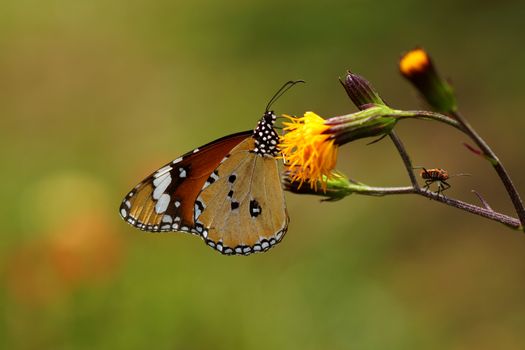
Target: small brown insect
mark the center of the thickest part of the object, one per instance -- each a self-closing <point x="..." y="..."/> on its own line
<point x="439" y="176"/>
<point x="436" y="175"/>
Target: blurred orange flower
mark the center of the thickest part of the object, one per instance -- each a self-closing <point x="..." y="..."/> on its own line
<point x="75" y="246"/>
<point x="83" y="251"/>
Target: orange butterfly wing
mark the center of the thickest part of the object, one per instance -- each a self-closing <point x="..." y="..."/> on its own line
<point x="164" y="201"/>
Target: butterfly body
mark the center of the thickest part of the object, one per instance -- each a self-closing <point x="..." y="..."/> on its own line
<point x="228" y="192"/>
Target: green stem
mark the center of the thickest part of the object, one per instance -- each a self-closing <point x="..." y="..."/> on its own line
<point x="427" y="115"/>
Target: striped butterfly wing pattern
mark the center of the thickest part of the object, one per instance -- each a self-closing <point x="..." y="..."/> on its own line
<point x="228" y="192"/>
<point x="164" y="201"/>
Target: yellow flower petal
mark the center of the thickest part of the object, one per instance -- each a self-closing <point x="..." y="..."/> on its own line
<point x="308" y="153"/>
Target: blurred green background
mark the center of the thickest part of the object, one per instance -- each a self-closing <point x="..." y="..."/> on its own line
<point x="95" y="95"/>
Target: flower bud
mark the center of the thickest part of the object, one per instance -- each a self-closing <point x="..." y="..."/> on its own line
<point x="417" y="67"/>
<point x="360" y="91"/>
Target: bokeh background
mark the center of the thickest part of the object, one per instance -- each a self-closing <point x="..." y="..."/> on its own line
<point x="95" y="95"/>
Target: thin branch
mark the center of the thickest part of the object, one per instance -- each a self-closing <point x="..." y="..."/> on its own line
<point x="486" y="212"/>
<point x="343" y="187"/>
<point x="482" y="200"/>
<point x="496" y="163"/>
<point x="461" y="124"/>
<point x="471" y="208"/>
<point x="405" y="157"/>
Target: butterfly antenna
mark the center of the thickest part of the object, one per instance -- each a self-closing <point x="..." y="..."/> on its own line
<point x="286" y="86"/>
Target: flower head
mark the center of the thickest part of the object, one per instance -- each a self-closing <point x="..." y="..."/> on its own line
<point x="309" y="154"/>
<point x="310" y="143"/>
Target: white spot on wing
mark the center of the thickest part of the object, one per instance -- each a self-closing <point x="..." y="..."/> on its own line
<point x="167" y="218"/>
<point x="161" y="187"/>
<point x="123" y="212"/>
<point x="162" y="203"/>
<point x="160" y="179"/>
<point x="197" y="210"/>
<point x="162" y="171"/>
<point x="182" y="172"/>
<point x="177" y="160"/>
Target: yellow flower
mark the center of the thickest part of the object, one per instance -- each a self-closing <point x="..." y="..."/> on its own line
<point x="308" y="153"/>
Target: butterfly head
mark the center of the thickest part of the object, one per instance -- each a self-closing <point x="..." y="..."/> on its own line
<point x="269" y="117"/>
<point x="266" y="138"/>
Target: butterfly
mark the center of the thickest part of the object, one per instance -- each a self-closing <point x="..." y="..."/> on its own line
<point x="228" y="192"/>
